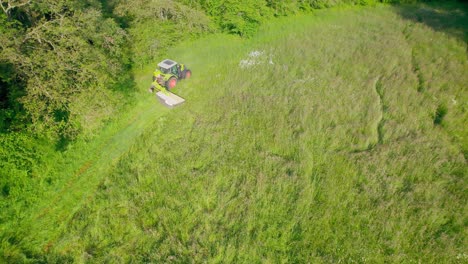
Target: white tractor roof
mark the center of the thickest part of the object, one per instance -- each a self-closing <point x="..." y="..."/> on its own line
<point x="167" y="64"/>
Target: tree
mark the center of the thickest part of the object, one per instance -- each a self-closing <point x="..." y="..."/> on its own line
<point x="62" y="52"/>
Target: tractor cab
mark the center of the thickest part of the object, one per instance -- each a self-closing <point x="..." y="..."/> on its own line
<point x="170" y="72"/>
<point x="169" y="67"/>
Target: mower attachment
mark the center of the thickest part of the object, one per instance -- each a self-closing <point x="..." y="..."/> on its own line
<point x="169" y="99"/>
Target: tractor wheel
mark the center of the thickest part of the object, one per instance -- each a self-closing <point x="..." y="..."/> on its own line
<point x="188" y="74"/>
<point x="171" y="83"/>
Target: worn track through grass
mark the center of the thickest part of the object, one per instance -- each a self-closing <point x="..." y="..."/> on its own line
<point x="59" y="207"/>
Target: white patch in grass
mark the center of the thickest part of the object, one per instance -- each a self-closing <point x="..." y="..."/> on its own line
<point x="256" y="57"/>
<point x="256" y="53"/>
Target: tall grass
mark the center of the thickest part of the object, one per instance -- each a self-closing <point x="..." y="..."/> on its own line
<point x="310" y="142"/>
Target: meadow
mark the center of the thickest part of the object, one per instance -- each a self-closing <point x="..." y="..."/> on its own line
<point x="336" y="136"/>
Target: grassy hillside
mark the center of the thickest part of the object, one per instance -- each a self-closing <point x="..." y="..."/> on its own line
<point x="333" y="137"/>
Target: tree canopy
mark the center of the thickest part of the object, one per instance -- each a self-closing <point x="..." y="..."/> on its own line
<point x="59" y="57"/>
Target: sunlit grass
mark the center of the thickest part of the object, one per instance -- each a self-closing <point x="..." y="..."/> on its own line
<point x="324" y="149"/>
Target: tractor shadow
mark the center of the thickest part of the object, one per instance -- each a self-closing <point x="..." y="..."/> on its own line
<point x="449" y="17"/>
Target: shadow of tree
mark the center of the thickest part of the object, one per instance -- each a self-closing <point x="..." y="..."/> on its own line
<point x="449" y="17"/>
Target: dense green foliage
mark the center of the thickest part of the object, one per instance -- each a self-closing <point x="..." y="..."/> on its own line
<point x="62" y="58"/>
<point x="333" y="137"/>
<point x="157" y="24"/>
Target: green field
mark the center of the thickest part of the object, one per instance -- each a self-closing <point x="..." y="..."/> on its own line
<point x="334" y="137"/>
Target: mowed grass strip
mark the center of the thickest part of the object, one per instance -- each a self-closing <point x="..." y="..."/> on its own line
<point x="311" y="142"/>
